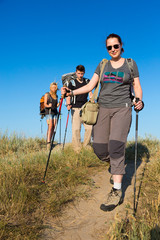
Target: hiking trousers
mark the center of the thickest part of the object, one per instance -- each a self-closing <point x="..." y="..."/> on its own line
<point x="110" y="136"/>
<point x="76" y="129"/>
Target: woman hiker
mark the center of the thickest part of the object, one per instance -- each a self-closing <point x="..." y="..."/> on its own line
<point x="51" y="104"/>
<point x="115" y="113"/>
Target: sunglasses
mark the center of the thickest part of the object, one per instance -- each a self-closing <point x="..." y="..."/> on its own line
<point x="116" y="46"/>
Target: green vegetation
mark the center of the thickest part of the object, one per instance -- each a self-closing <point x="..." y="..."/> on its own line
<point x="145" y="225"/>
<point x="25" y="203"/>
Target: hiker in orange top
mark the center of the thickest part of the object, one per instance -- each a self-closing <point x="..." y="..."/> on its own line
<point x="51" y="104"/>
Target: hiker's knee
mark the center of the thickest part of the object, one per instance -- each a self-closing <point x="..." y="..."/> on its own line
<point x="101" y="150"/>
<point x="51" y="125"/>
<point x="116" y="149"/>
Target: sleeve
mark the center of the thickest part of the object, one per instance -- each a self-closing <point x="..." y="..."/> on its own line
<point x="87" y="80"/>
<point x="135" y="69"/>
<point x="97" y="71"/>
<point x="70" y="86"/>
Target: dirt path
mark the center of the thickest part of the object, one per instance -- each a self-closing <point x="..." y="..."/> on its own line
<point x="83" y="219"/>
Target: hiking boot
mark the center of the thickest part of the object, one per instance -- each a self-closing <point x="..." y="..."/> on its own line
<point x="111" y="180"/>
<point x="113" y="200"/>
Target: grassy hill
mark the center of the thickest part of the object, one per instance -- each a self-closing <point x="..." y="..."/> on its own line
<point x="25" y="202"/>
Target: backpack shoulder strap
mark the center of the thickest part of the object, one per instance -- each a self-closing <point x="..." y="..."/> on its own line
<point x="49" y="98"/>
<point x="48" y="94"/>
<point x="73" y="82"/>
<point x="130" y="66"/>
<point x="102" y="65"/>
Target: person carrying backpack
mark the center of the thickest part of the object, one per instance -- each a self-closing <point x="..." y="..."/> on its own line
<point x="75" y="104"/>
<point x="115" y="113"/>
<point x="51" y="104"/>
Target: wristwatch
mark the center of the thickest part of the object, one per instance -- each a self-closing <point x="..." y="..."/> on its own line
<point x="71" y="92"/>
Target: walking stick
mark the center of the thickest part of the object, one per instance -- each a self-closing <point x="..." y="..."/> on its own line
<point x="135" y="172"/>
<point x="54" y="133"/>
<point x="66" y="130"/>
<point x="41" y="126"/>
<point x="60" y="129"/>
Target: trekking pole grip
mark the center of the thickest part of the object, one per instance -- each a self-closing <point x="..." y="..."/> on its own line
<point x="137" y="100"/>
<point x="67" y="91"/>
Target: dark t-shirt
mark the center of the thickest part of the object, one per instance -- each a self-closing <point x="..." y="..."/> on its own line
<point x="53" y="109"/>
<point x="79" y="100"/>
<point x="115" y="85"/>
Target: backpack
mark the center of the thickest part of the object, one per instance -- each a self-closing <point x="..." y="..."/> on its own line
<point x="70" y="77"/>
<point x="66" y="78"/>
<point x="42" y="107"/>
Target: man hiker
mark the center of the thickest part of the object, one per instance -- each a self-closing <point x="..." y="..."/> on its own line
<point x="75" y="104"/>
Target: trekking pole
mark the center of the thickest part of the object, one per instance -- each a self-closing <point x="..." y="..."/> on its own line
<point x="60" y="129"/>
<point x="66" y="130"/>
<point x="54" y="133"/>
<point x="135" y="172"/>
<point x="41" y="126"/>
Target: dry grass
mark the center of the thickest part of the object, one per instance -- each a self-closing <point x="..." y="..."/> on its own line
<point x="24" y="201"/>
<point x="145" y="225"/>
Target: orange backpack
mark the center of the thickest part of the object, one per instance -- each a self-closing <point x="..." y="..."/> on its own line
<point x="42" y="108"/>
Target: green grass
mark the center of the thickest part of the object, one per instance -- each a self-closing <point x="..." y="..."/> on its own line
<point x="145" y="225"/>
<point x="25" y="203"/>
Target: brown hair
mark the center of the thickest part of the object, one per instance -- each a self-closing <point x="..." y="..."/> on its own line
<point x="80" y="68"/>
<point x="113" y="35"/>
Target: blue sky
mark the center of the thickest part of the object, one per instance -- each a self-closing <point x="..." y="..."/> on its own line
<point x="42" y="40"/>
